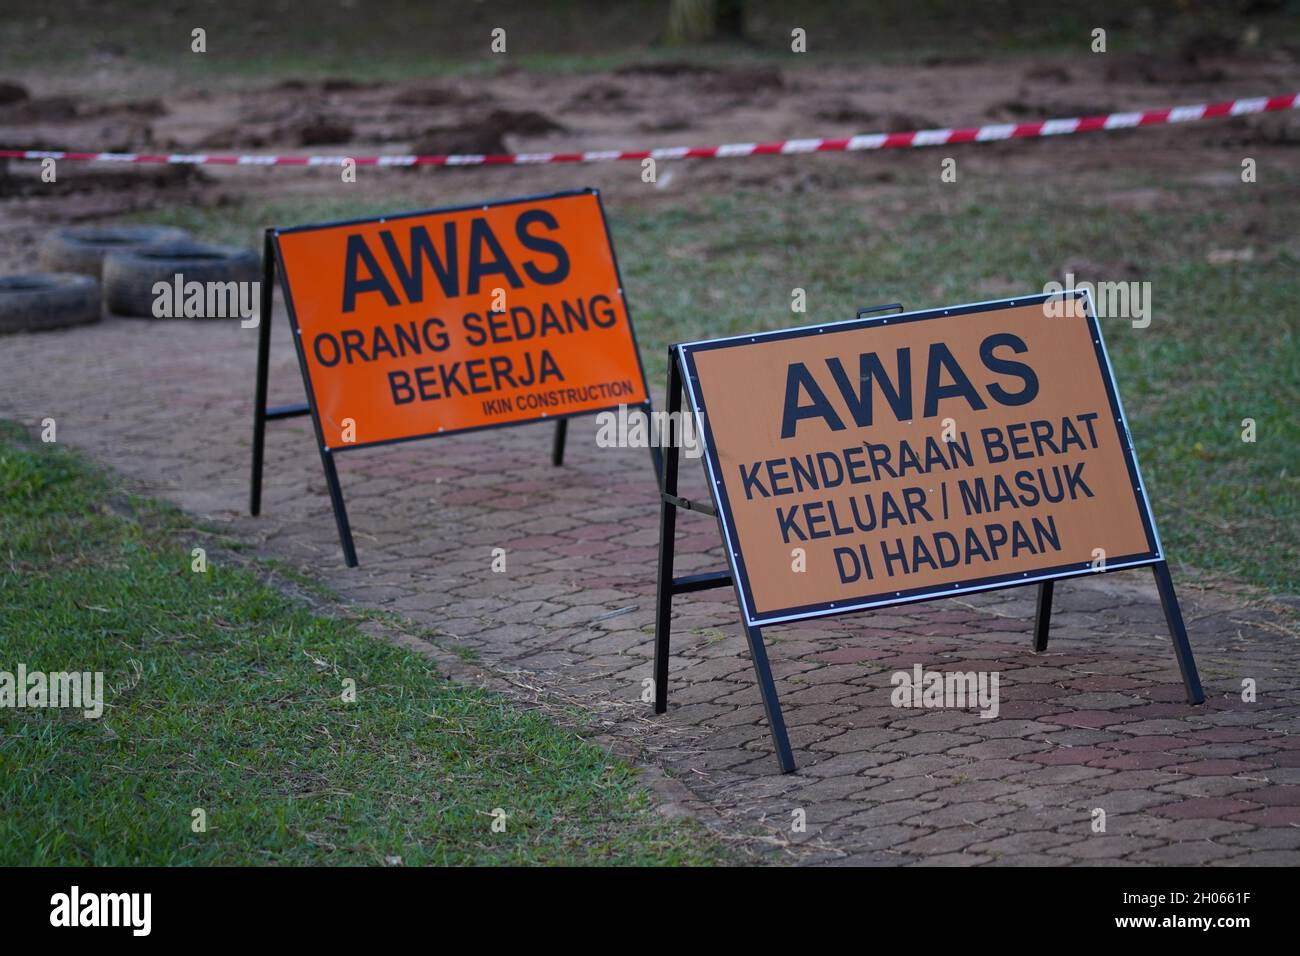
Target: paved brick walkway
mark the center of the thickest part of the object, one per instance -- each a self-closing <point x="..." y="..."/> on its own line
<point x="1098" y="722"/>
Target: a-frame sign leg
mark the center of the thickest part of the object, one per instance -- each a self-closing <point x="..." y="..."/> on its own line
<point x="771" y="704"/>
<point x="1043" y="620"/>
<point x="557" y="447"/>
<point x="669" y="586"/>
<point x="262" y="414"/>
<point x="340" y="509"/>
<point x="1177" y="631"/>
<point x="667" y="537"/>
<point x="263" y="363"/>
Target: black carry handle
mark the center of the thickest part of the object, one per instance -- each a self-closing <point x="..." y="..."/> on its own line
<point x="871" y="309"/>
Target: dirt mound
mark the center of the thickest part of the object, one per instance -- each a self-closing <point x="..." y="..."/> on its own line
<point x="665" y="124"/>
<point x="1206" y="45"/>
<point x="951" y="59"/>
<point x="467" y="138"/>
<point x="867" y="121"/>
<point x="1160" y="69"/>
<point x="144" y="109"/>
<point x="1275" y="130"/>
<point x="670" y="68"/>
<point x="228" y="137"/>
<point x="134" y="183"/>
<point x="843" y="111"/>
<point x="43" y="109"/>
<point x="341" y="84"/>
<point x="67" y="109"/>
<point x="524" y="122"/>
<point x="906" y="122"/>
<point x="486" y="135"/>
<point x="713" y="79"/>
<point x="315" y="131"/>
<point x="1020" y="110"/>
<point x="433" y="94"/>
<point x="602" y="97"/>
<point x="746" y="80"/>
<point x="329" y="85"/>
<point x="12" y="93"/>
<point x="1049" y="73"/>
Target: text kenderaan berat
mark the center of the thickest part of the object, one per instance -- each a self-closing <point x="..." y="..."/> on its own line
<point x="489" y="269"/>
<point x="895" y="517"/>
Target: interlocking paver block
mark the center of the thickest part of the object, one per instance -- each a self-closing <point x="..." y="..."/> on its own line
<point x="1097" y="721"/>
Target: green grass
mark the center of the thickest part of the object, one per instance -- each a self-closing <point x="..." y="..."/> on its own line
<point x="1223" y="344"/>
<point x="222" y="694"/>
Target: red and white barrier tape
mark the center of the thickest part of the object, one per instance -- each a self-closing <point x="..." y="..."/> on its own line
<point x="924" y="137"/>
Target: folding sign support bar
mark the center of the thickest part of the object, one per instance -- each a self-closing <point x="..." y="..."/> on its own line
<point x="1173" y="618"/>
<point x="263" y="414"/>
<point x="562" y="431"/>
<point x="669" y="586"/>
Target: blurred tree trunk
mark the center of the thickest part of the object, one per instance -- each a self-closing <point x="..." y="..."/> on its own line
<point x="693" y="21"/>
<point x="690" y="21"/>
<point x="729" y="19"/>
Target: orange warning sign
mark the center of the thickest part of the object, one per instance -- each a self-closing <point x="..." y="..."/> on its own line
<point x="891" y="459"/>
<point x="455" y="319"/>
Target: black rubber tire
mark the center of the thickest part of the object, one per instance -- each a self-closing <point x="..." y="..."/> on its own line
<point x="130" y="275"/>
<point x="47" y="300"/>
<point x="83" y="248"/>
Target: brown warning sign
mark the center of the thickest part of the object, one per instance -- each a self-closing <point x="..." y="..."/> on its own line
<point x="892" y="459"/>
<point x="456" y="319"/>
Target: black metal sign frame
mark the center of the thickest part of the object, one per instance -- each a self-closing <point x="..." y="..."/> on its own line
<point x="273" y="267"/>
<point x="682" y="377"/>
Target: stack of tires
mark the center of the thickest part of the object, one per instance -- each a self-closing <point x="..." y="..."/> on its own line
<point x="83" y="249"/>
<point x="47" y="300"/>
<point x="125" y="262"/>
<point x="130" y="275"/>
